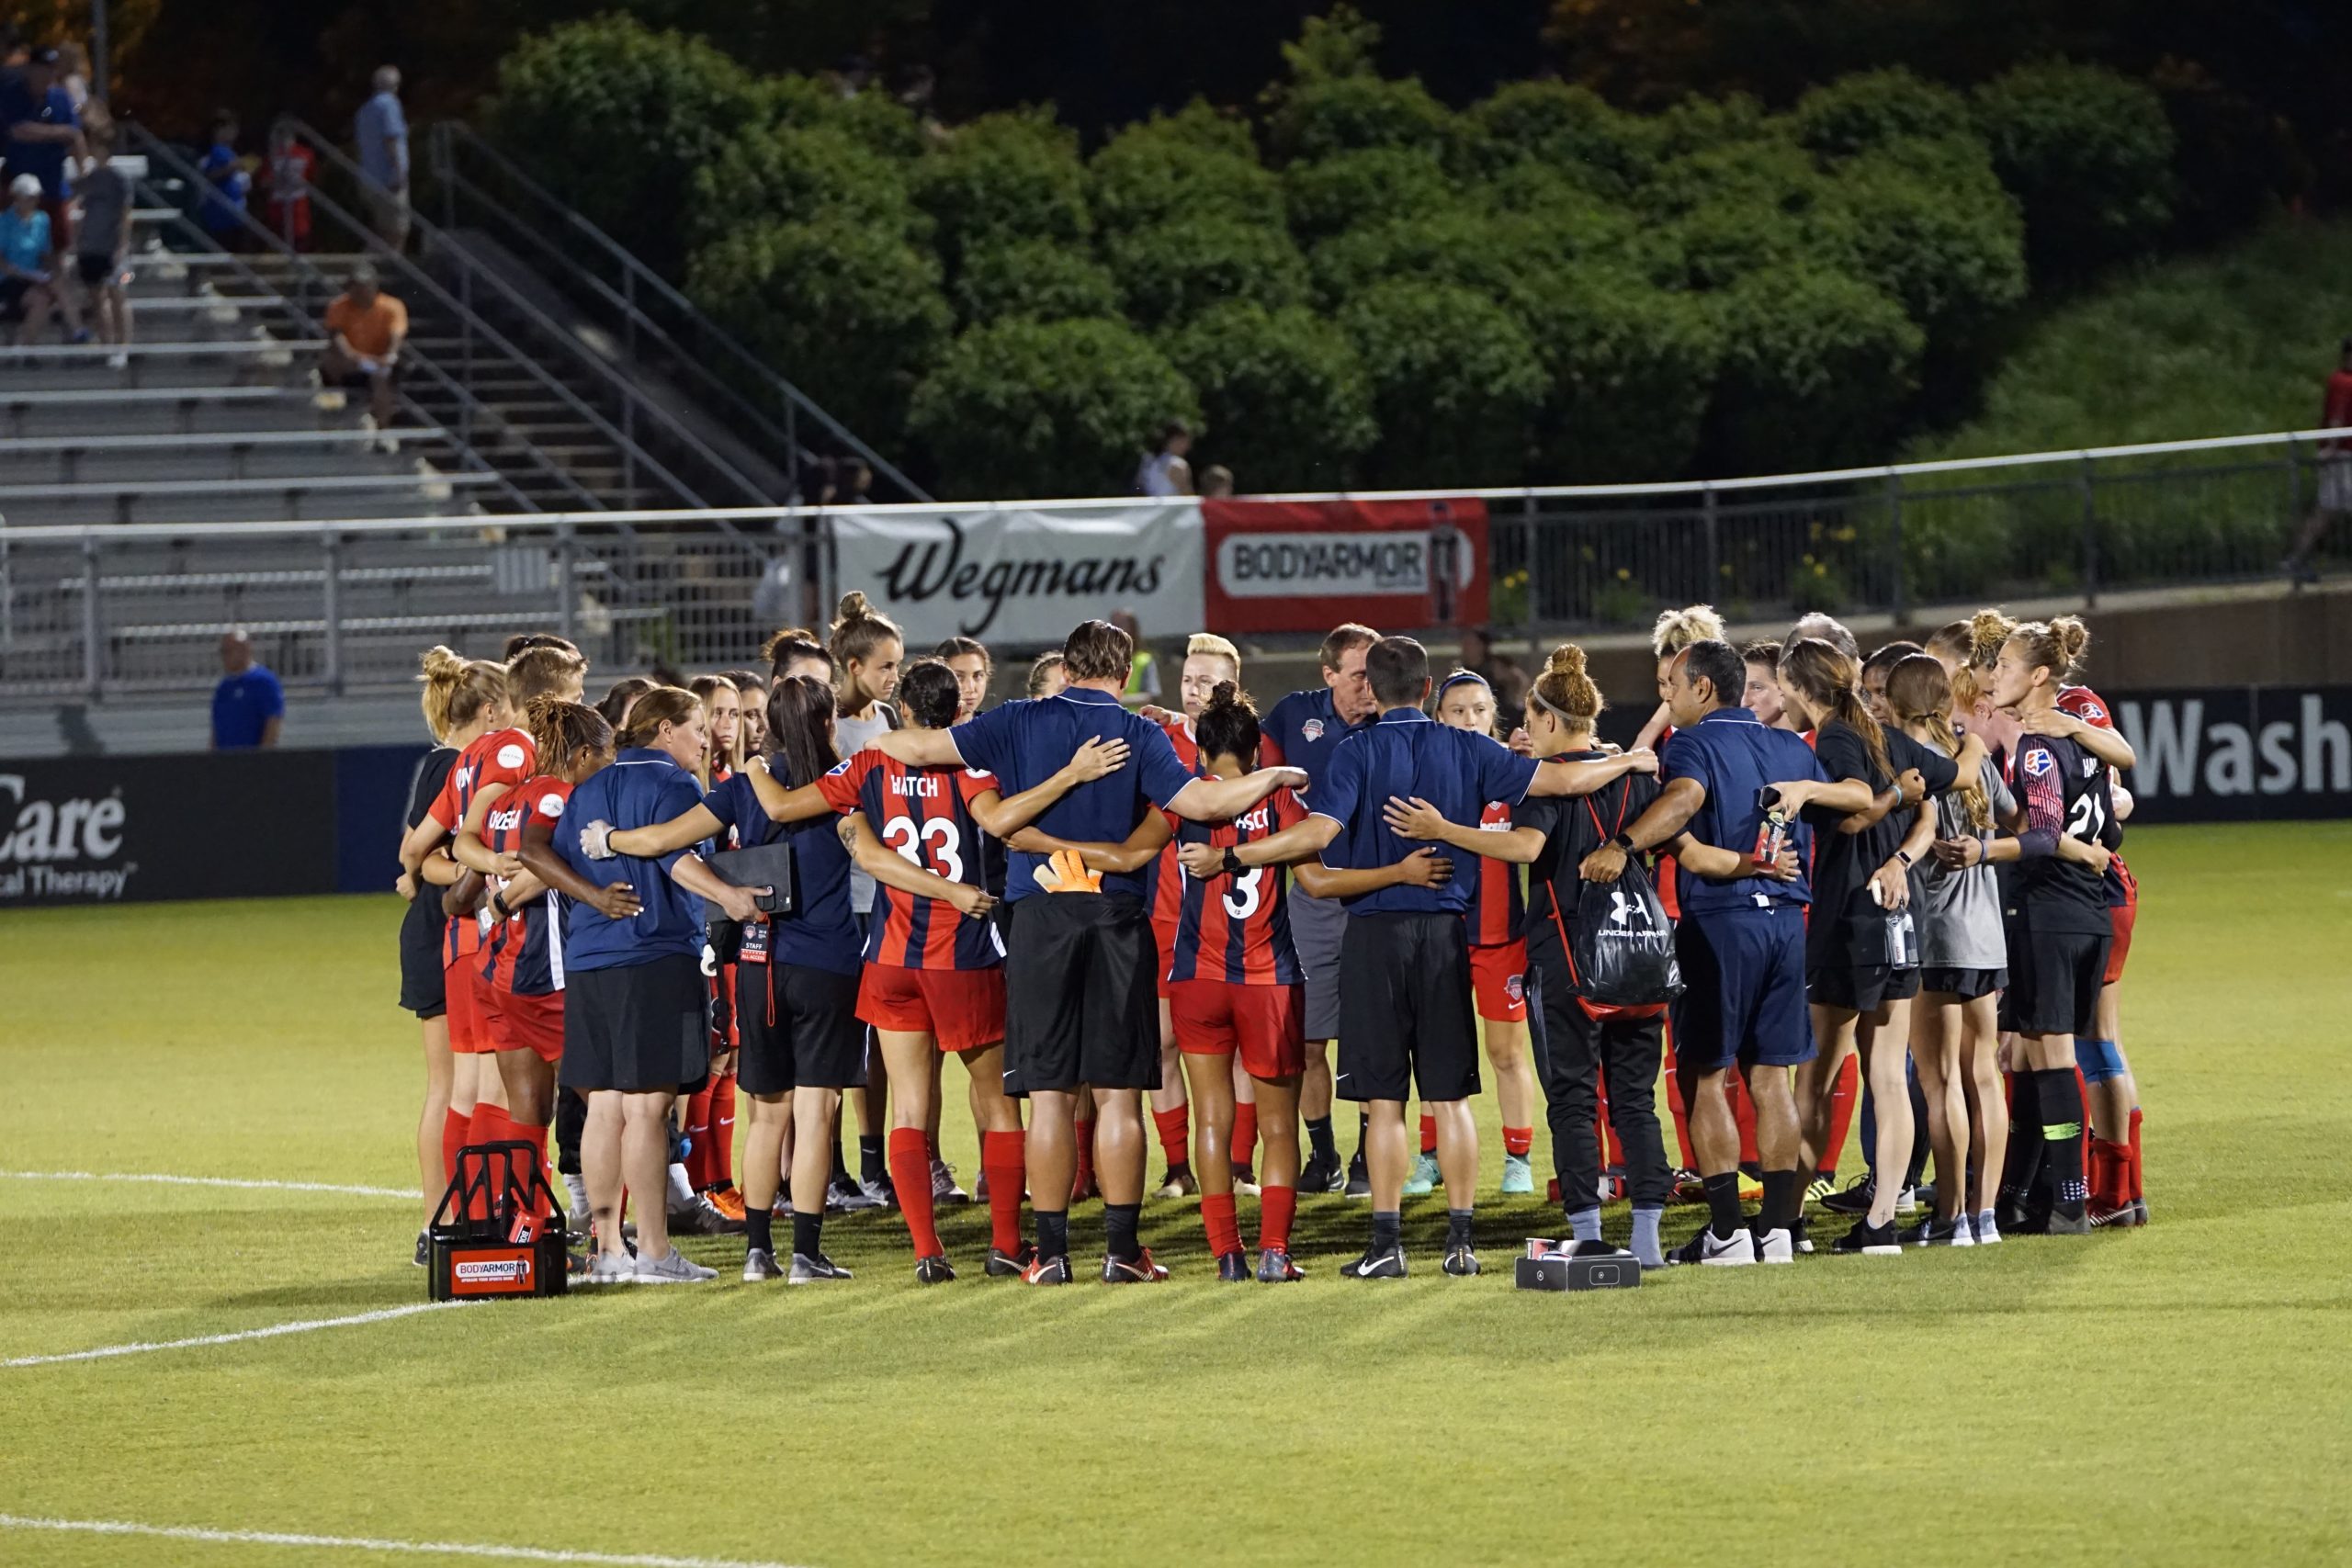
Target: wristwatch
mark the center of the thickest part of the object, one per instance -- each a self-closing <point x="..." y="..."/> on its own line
<point x="1905" y="856"/>
<point x="498" y="902"/>
<point x="1233" y="866"/>
<point x="1622" y="843"/>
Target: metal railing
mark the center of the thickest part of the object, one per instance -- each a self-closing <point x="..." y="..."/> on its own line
<point x="475" y="183"/>
<point x="110" y="610"/>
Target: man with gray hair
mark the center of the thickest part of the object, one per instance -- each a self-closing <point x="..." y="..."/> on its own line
<point x="381" y="129"/>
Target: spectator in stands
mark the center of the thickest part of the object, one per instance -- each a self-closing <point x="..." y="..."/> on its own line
<point x="42" y="129"/>
<point x="1142" y="672"/>
<point x="223" y="211"/>
<point x="248" y="705"/>
<point x="383" y="130"/>
<point x="102" y="240"/>
<point x="1164" y="470"/>
<point x="2335" y="469"/>
<point x="288" y="174"/>
<point x="1503" y="676"/>
<point x="1216" y="482"/>
<point x="27" y="288"/>
<point x="366" y="328"/>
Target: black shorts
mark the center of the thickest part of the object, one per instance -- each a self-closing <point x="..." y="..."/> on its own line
<point x="1860" y="987"/>
<point x="640" y="1029"/>
<point x="1080" y="1005"/>
<point x="424" y="983"/>
<point x="1966" y="984"/>
<point x="96" y="272"/>
<point x="12" y="298"/>
<point x="797" y="1028"/>
<point x="1742" y="999"/>
<point x="2054" y="981"/>
<point x="1405" y="1017"/>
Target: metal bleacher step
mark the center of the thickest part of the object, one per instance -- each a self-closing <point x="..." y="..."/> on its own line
<point x="292" y="497"/>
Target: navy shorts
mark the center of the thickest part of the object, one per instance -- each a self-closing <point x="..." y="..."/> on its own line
<point x="1744" y="999"/>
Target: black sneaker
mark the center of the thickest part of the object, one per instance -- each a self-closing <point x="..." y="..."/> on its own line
<point x="1012" y="1265"/>
<point x="1867" y="1240"/>
<point x="1388" y="1265"/>
<point x="1460" y="1262"/>
<point x="1359" y="1184"/>
<point x="1800" y="1234"/>
<point x="933" y="1270"/>
<point x="2063" y="1225"/>
<point x="1136" y="1271"/>
<point x="423" y="1249"/>
<point x="2015" y="1215"/>
<point x="1321" y="1173"/>
<point x="1854" y="1198"/>
<point x="1274" y="1268"/>
<point x="1933" y="1232"/>
<point x="1233" y="1268"/>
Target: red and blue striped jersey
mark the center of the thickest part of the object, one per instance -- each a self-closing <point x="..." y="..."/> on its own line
<point x="1235" y="929"/>
<point x="526" y="948"/>
<point x="924" y="814"/>
<point x="1166" y="876"/>
<point x="2123" y="888"/>
<point x="502" y="757"/>
<point x="1498" y="912"/>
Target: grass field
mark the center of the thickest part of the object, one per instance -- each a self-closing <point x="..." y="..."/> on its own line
<point x="2181" y="1393"/>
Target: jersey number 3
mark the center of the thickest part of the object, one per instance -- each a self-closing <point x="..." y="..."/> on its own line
<point x="902" y="835"/>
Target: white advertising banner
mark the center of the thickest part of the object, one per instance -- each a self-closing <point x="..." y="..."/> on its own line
<point x="1024" y="576"/>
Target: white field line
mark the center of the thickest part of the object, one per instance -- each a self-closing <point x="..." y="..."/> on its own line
<point x="382" y="1314"/>
<point x="408" y="1192"/>
<point x="369" y="1543"/>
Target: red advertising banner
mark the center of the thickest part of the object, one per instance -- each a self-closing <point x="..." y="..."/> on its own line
<point x="1305" y="565"/>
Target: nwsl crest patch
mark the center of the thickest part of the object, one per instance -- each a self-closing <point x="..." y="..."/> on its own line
<point x="2038" y="761"/>
<point x="1312" y="729"/>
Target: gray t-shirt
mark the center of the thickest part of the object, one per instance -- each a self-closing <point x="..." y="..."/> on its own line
<point x="105" y="208"/>
<point x="852" y="736"/>
<point x="1959" y="913"/>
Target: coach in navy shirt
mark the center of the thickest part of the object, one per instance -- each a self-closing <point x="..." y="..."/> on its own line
<point x="1405" y="1003"/>
<point x="1080" y="1006"/>
<point x="1736" y="785"/>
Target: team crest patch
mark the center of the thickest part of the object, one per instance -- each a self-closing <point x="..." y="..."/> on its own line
<point x="551" y="806"/>
<point x="510" y="755"/>
<point x="1312" y="729"/>
<point x="1516" y="988"/>
<point x="2038" y="761"/>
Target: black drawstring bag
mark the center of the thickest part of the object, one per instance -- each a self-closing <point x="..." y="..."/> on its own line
<point x="1623" y="956"/>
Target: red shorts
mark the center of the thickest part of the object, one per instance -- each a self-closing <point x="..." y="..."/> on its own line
<point x="468" y="996"/>
<point x="525" y="1023"/>
<point x="1266" y="1025"/>
<point x="2120" y="920"/>
<point x="1498" y="979"/>
<point x="959" y="1008"/>
<point x="1163" y="939"/>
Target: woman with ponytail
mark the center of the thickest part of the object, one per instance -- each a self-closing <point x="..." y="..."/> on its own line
<point x="424" y="928"/>
<point x="709" y="1121"/>
<point x="866" y="647"/>
<point x="1858" y="992"/>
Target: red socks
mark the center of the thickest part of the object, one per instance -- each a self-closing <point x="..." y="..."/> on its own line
<point x="1245" y="1135"/>
<point x="698" y="1135"/>
<point x="2135" y="1182"/>
<point x="1429" y="1134"/>
<point x="1518" y="1141"/>
<point x="1841" y="1111"/>
<point x="1216" y="1218"/>
<point x="2110" y="1170"/>
<point x="911" y="1174"/>
<point x="721" y="1167"/>
<point x="454" y="1124"/>
<point x="1674" y="1103"/>
<point x="1277" y="1204"/>
<point x="1175" y="1133"/>
<point x="1005" y="1157"/>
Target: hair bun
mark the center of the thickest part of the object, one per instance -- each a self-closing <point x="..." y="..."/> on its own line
<point x="2074" y="637"/>
<point x="1567" y="660"/>
<point x="852" y="607"/>
<point x="442" y="663"/>
<point x="1989" y="630"/>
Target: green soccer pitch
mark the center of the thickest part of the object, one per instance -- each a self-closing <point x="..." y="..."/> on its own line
<point x="2179" y="1394"/>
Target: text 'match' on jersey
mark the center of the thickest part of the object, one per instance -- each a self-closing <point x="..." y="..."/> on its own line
<point x="1235" y="929"/>
<point x="526" y="948"/>
<point x="925" y="816"/>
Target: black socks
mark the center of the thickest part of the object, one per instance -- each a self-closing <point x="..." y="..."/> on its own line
<point x="807" y="1234"/>
<point x="1722" y="1204"/>
<point x="1119" y="1231"/>
<point x="1457" y="1228"/>
<point x="2062" y="1139"/>
<point x="1386" y="1230"/>
<point x="1783" y="1200"/>
<point x="872" y="1162"/>
<point x="759" y="1229"/>
<point x="1320" y="1140"/>
<point x="1053" y="1234"/>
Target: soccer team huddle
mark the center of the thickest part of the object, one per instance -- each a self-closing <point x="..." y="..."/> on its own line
<point x="1897" y="873"/>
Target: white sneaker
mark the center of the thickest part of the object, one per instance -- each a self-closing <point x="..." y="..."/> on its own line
<point x="118" y="360"/>
<point x="1988" y="1234"/>
<point x="1907" y="1201"/>
<point x="672" y="1267"/>
<point x="611" y="1268"/>
<point x="1776" y="1246"/>
<point x="1737" y="1251"/>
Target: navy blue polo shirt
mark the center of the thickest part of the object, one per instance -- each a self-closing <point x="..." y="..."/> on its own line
<point x="642" y="787"/>
<point x="1025" y="743"/>
<point x="1733" y="756"/>
<point x="1408" y="754"/>
<point x="819" y="933"/>
<point x="1304" y="731"/>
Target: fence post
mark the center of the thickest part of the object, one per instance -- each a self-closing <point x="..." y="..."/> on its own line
<point x="331" y="606"/>
<point x="2090" y="535"/>
<point x="1714" y="541"/>
<point x="1894" y="543"/>
<point x="1527" y="565"/>
<point x="93" y="672"/>
<point x="567" y="604"/>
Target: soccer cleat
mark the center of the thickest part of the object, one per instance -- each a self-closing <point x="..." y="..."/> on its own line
<point x="980" y="1189"/>
<point x="1751" y="1188"/>
<point x="1777" y="1245"/>
<point x="611" y="1268"/>
<point x="1178" y="1183"/>
<point x="943" y="1184"/>
<point x="1233" y="1268"/>
<point x="934" y="1269"/>
<point x="1519" y="1176"/>
<point x="2062" y="1225"/>
<point x="1735" y="1251"/>
<point x="847" y="1197"/>
<point x="1321" y="1173"/>
<point x="1359" y="1183"/>
<point x="808" y="1270"/>
<point x="1854" y="1198"/>
<point x="879" y="1191"/>
<point x="423" y="1249"/>
<point x="1009" y="1265"/>
<point x="728" y="1203"/>
<point x="1460" y="1262"/>
<point x="1245" y="1182"/>
<point x="1046" y="1271"/>
<point x="672" y="1267"/>
<point x="1867" y="1240"/>
<point x="2139" y="1210"/>
<point x="1420" y="1180"/>
<point x="760" y="1264"/>
<point x="1274" y="1268"/>
<point x="2120" y="1217"/>
<point x="1820" y="1189"/>
<point x="1136" y="1271"/>
<point x="1687" y="1186"/>
<point x="1988" y="1229"/>
<point x="2018" y="1217"/>
<point x="1388" y="1265"/>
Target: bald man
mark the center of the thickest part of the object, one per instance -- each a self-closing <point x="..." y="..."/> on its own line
<point x="248" y="705"/>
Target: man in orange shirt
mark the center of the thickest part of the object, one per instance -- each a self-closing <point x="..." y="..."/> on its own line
<point x="366" y="328"/>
